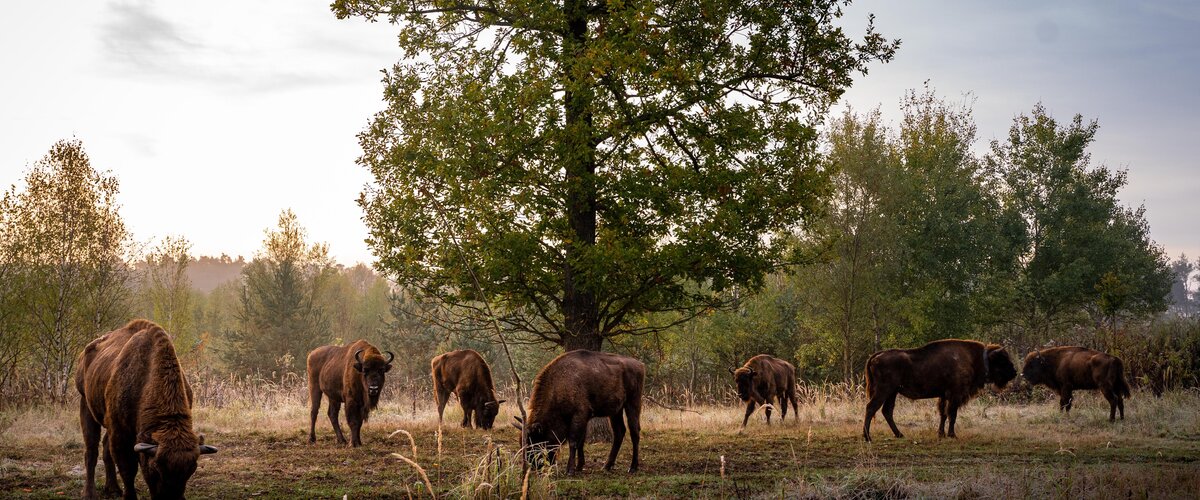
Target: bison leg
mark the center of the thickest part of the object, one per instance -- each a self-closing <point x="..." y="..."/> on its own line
<point x="355" y="420"/>
<point x="1112" y="404"/>
<point x="768" y="404"/>
<point x="576" y="440"/>
<point x="618" y="431"/>
<point x="111" y="489"/>
<point x="872" y="406"/>
<point x="889" y="405"/>
<point x="334" y="408"/>
<point x="127" y="466"/>
<point x="749" y="411"/>
<point x="953" y="410"/>
<point x="783" y="402"/>
<point x="314" y="400"/>
<point x="1121" y="405"/>
<point x="1064" y="401"/>
<point x="91" y="441"/>
<point x="942" y="410"/>
<point x="466" y="414"/>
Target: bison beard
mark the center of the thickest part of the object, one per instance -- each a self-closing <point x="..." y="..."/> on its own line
<point x="353" y="375"/>
<point x="465" y="374"/>
<point x="1069" y="368"/>
<point x="572" y="389"/>
<point x="951" y="370"/>
<point x="766" y="380"/>
<point x="130" y="383"/>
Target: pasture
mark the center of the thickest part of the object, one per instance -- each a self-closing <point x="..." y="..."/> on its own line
<point x="1004" y="449"/>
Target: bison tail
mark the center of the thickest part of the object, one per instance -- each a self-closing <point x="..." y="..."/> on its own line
<point x="868" y="377"/>
<point x="1120" y="386"/>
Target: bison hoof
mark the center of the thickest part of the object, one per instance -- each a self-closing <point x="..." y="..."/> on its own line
<point x="632" y="469"/>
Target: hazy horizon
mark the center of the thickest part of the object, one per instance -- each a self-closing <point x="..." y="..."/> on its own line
<point x="238" y="117"/>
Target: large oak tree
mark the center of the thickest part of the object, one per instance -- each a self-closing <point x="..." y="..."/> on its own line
<point x="575" y="165"/>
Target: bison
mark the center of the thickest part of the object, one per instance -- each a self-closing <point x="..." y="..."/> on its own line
<point x="130" y="383"/>
<point x="465" y="374"/>
<point x="951" y="370"/>
<point x="574" y="388"/>
<point x="350" y="374"/>
<point x="764" y="380"/>
<point x="1065" y="369"/>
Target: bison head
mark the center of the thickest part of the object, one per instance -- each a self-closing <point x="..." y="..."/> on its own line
<point x="744" y="377"/>
<point x="1000" y="366"/>
<point x="485" y="415"/>
<point x="372" y="370"/>
<point x="1036" y="368"/>
<point x="169" y="462"/>
<point x="541" y="442"/>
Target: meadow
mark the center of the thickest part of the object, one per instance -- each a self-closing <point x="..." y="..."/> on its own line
<point x="1004" y="449"/>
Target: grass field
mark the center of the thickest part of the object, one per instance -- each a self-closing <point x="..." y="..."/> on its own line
<point x="1002" y="451"/>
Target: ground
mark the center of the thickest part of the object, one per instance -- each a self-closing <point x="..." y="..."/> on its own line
<point x="1009" y="450"/>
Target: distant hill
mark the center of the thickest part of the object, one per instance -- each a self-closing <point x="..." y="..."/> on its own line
<point x="207" y="273"/>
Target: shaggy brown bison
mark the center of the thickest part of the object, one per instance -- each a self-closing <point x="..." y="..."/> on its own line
<point x="1065" y="369"/>
<point x="572" y="389"/>
<point x="951" y="370"/>
<point x="350" y="374"/>
<point x="130" y="383"/>
<point x="465" y="374"/>
<point x="766" y="380"/>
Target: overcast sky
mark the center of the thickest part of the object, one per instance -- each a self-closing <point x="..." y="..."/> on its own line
<point x="216" y="115"/>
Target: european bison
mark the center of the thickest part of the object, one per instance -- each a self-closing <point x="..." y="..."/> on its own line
<point x="130" y="383"/>
<point x="1065" y="369"/>
<point x="951" y="370"/>
<point x="465" y="374"/>
<point x="765" y="379"/>
<point x="350" y="374"/>
<point x="572" y="389"/>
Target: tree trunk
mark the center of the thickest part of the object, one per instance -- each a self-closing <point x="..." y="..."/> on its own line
<point x="581" y="311"/>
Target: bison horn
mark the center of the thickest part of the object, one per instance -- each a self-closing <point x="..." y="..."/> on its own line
<point x="358" y="355"/>
<point x="519" y="424"/>
<point x="390" y="357"/>
<point x="206" y="449"/>
<point x="145" y="448"/>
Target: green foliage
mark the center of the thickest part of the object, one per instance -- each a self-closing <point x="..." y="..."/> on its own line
<point x="1084" y="255"/>
<point x="167" y="296"/>
<point x="280" y="317"/>
<point x="580" y="166"/>
<point x="62" y="246"/>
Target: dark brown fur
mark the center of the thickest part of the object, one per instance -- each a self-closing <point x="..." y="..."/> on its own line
<point x="951" y="370"/>
<point x="335" y="372"/>
<point x="575" y="387"/>
<point x="465" y="374"/>
<point x="766" y="380"/>
<point x="130" y="383"/>
<point x="1068" y="368"/>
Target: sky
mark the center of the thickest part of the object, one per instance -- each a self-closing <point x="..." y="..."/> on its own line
<point x="217" y="115"/>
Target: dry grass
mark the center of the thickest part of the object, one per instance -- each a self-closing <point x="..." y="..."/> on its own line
<point x="1004" y="450"/>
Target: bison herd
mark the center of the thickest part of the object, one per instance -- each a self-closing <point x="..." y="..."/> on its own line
<point x="132" y="387"/>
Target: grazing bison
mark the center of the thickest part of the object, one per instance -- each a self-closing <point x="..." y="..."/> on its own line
<point x="765" y="379"/>
<point x="1065" y="369"/>
<point x="130" y="383"/>
<point x="951" y="370"/>
<point x="574" y="388"/>
<point x="465" y="374"/>
<point x="350" y="374"/>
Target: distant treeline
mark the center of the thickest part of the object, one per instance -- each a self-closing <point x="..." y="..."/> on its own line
<point x="919" y="238"/>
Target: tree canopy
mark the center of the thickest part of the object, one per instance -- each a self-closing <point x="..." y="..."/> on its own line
<point x="579" y="165"/>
